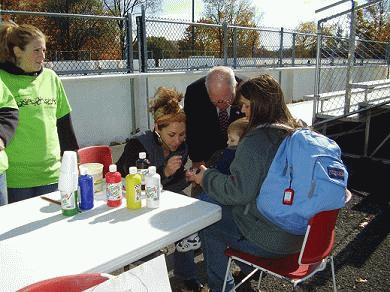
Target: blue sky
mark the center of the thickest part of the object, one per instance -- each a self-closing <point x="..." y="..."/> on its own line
<point x="275" y="13"/>
<point x="288" y="14"/>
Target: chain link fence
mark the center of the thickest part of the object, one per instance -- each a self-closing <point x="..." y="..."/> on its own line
<point x="84" y="44"/>
<point x="80" y="44"/>
<point x="352" y="68"/>
<point x="179" y="45"/>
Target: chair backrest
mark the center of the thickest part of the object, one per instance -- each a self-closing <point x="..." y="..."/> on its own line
<point x="72" y="283"/>
<point x="100" y="154"/>
<point x="319" y="237"/>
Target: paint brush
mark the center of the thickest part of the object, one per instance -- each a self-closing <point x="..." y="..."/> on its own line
<point x="51" y="200"/>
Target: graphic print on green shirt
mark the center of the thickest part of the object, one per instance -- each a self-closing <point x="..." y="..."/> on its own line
<point x="34" y="152"/>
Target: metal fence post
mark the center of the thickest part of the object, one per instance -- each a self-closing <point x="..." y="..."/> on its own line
<point x="141" y="36"/>
<point x="138" y="20"/>
<point x="144" y="40"/>
<point x="293" y="49"/>
<point x="129" y="43"/>
<point x="234" y="48"/>
<point x="387" y="50"/>
<point x="193" y="28"/>
<point x="225" y="42"/>
<point x="281" y="47"/>
<point x="316" y="95"/>
<point x="351" y="58"/>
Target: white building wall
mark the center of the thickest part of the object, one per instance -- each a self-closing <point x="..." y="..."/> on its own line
<point x="101" y="108"/>
<point x="102" y="104"/>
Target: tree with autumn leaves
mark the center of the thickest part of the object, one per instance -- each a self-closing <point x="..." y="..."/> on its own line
<point x="372" y="35"/>
<point x="70" y="38"/>
<point x="205" y="40"/>
<point x="373" y="31"/>
<point x="78" y="38"/>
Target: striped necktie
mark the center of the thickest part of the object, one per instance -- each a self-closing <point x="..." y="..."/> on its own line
<point x="223" y="119"/>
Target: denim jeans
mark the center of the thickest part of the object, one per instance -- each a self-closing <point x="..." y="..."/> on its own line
<point x="184" y="265"/>
<point x="215" y="239"/>
<point x="19" y="194"/>
<point x="3" y="189"/>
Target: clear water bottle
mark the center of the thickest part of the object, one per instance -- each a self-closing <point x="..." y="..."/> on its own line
<point x="152" y="188"/>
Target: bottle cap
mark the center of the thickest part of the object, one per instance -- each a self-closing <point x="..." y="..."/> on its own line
<point x="112" y="168"/>
<point x="69" y="173"/>
<point x="142" y="155"/>
<point x="83" y="171"/>
<point x="69" y="161"/>
<point x="132" y="170"/>
<point x="152" y="170"/>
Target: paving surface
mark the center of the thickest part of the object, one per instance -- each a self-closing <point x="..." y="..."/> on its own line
<point x="361" y="252"/>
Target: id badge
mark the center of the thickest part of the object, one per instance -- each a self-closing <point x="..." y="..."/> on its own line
<point x="288" y="196"/>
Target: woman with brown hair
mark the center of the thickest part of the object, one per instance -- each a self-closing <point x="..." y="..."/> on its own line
<point x="242" y="226"/>
<point x="45" y="129"/>
<point x="164" y="146"/>
<point x="166" y="149"/>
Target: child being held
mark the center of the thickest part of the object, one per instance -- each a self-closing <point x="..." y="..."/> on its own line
<point x="220" y="160"/>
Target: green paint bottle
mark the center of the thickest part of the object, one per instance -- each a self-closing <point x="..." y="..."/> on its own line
<point x="68" y="182"/>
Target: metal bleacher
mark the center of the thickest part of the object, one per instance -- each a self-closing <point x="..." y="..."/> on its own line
<point x="369" y="102"/>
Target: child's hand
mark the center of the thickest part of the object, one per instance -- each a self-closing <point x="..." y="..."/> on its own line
<point x="191" y="174"/>
<point x="199" y="175"/>
<point x="197" y="164"/>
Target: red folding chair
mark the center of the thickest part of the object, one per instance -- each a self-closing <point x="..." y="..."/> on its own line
<point x="72" y="283"/>
<point x="296" y="268"/>
<point x="100" y="154"/>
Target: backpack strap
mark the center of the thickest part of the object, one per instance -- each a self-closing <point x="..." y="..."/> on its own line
<point x="290" y="168"/>
<point x="287" y="169"/>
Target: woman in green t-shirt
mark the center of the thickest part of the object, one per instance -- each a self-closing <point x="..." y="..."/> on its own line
<point x="45" y="127"/>
<point x="8" y="123"/>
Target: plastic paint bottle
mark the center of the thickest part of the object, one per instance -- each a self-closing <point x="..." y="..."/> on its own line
<point x="133" y="189"/>
<point x="142" y="165"/>
<point x="113" y="187"/>
<point x="152" y="188"/>
<point x="85" y="190"/>
<point x="67" y="183"/>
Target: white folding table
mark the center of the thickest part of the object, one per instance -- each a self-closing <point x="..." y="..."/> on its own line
<point x="37" y="242"/>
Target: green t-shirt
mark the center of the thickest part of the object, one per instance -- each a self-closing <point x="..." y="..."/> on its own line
<point x="6" y="100"/>
<point x="34" y="152"/>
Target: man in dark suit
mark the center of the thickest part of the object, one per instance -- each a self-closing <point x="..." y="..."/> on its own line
<point x="210" y="106"/>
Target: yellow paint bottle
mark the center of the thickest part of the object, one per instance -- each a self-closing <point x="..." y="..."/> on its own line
<point x="133" y="189"/>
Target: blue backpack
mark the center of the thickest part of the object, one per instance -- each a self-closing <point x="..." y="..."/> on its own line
<point x="306" y="176"/>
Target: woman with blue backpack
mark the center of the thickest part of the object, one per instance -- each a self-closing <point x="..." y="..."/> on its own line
<point x="242" y="226"/>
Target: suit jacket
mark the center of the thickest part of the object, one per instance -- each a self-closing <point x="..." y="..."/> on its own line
<point x="204" y="135"/>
